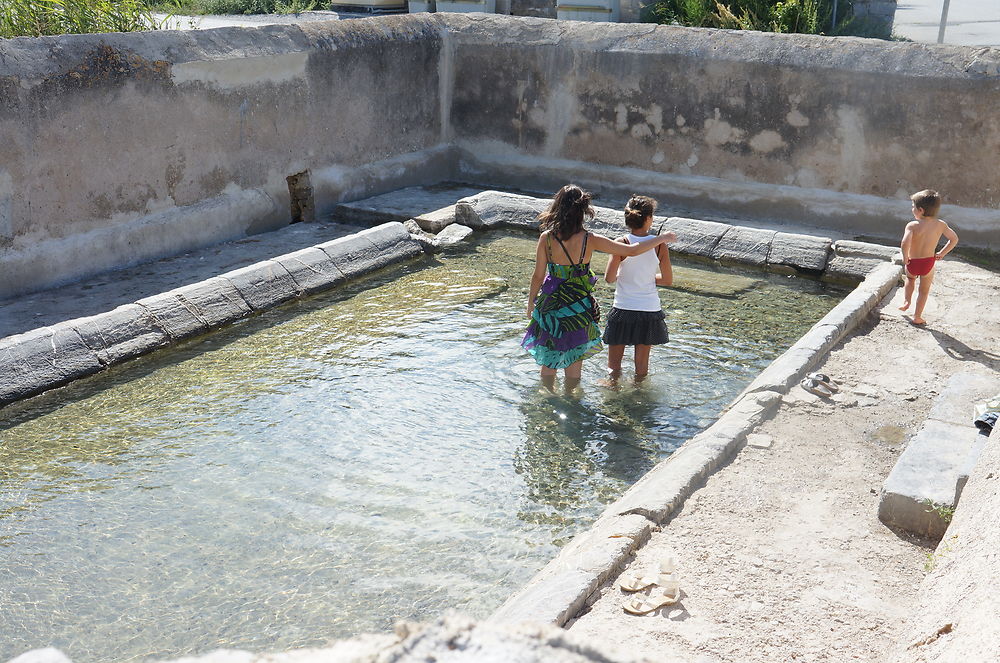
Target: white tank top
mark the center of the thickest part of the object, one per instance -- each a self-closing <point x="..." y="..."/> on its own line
<point x="635" y="289"/>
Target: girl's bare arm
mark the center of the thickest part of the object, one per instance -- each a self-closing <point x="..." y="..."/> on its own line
<point x="666" y="275"/>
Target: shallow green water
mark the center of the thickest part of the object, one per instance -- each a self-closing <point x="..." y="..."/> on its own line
<point x="347" y="461"/>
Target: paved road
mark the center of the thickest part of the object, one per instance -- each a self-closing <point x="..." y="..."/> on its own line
<point x="180" y="22"/>
<point x="970" y="22"/>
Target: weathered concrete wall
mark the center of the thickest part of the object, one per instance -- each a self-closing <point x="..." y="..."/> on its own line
<point x="122" y="148"/>
<point x="834" y="131"/>
<point x="119" y="148"/>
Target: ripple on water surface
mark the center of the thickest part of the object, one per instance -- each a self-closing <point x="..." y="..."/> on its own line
<point x="380" y="453"/>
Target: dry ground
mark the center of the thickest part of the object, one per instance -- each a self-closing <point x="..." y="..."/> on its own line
<point x="781" y="555"/>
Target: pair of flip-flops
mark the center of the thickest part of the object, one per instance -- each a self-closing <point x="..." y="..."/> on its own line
<point x="819" y="384"/>
<point x="666" y="589"/>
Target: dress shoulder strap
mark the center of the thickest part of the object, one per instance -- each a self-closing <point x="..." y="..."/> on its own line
<point x="583" y="252"/>
<point x="568" y="256"/>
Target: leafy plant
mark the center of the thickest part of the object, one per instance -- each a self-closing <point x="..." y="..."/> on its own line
<point x="294" y="6"/>
<point x="933" y="557"/>
<point x="35" y="18"/>
<point x="943" y="511"/>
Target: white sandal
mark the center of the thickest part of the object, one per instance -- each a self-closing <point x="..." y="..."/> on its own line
<point x="817" y="387"/>
<point x="827" y="381"/>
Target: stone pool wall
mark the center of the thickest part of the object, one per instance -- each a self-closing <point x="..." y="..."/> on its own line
<point x="835" y="132"/>
<point x="121" y="148"/>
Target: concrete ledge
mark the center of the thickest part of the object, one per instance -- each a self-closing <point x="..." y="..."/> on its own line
<point x="312" y="269"/>
<point x="776" y="251"/>
<point x="749" y="246"/>
<point x="127" y="331"/>
<point x="785" y="371"/>
<point x="695" y="237"/>
<point x="264" y="284"/>
<point x="937" y="461"/>
<point x="174" y="315"/>
<point x="429" y="206"/>
<point x="48" y="357"/>
<point x="804" y="253"/>
<point x="560" y="590"/>
<point x="925" y="476"/>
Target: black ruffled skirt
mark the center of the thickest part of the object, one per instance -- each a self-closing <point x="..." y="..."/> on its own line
<point x="635" y="328"/>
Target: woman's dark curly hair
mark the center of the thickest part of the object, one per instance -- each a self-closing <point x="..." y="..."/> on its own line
<point x="566" y="214"/>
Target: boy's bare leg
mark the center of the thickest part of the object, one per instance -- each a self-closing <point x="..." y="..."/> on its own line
<point x="642" y="360"/>
<point x="908" y="292"/>
<point x="923" y="290"/>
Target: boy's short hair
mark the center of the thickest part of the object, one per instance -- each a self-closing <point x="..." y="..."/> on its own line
<point x="928" y="200"/>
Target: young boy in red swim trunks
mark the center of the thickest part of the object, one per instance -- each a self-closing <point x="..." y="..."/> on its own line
<point x="920" y="240"/>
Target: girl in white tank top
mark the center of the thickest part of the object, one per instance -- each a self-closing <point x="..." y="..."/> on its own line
<point x="637" y="317"/>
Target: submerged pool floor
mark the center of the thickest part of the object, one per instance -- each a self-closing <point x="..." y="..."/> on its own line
<point x="382" y="452"/>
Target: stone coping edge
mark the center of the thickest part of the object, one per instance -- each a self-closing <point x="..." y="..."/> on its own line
<point x="563" y="587"/>
<point x="776" y="251"/>
<point x="49" y="357"/>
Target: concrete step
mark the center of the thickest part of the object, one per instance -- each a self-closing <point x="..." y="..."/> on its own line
<point x="432" y="207"/>
<point x="925" y="484"/>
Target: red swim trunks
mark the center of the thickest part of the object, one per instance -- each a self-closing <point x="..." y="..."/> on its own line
<point x="920" y="266"/>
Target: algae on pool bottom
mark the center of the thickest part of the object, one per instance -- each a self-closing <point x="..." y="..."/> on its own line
<point x="377" y="453"/>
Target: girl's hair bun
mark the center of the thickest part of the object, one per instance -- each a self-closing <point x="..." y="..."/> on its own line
<point x="637" y="210"/>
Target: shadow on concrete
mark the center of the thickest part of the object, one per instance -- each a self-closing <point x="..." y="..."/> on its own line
<point x="956" y="349"/>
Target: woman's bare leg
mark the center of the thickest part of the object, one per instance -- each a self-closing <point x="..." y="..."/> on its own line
<point x="548" y="378"/>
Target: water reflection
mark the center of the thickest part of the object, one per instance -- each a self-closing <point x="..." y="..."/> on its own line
<point x="342" y="462"/>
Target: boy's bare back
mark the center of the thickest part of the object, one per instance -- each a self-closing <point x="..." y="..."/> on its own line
<point x="924" y="237"/>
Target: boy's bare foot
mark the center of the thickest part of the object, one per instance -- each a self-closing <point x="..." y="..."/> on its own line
<point x="918" y="321"/>
<point x="905" y="306"/>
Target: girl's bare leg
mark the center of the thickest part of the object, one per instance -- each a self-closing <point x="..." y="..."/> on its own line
<point x="923" y="290"/>
<point x="615" y="355"/>
<point x="642" y="360"/>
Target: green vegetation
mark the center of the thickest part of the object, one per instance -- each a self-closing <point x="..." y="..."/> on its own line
<point x="35" y="18"/>
<point x="238" y="6"/>
<point x="802" y="16"/>
<point x="943" y="511"/>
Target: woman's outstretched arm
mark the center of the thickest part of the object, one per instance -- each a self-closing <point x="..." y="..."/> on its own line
<point x="611" y="273"/>
<point x="616" y="248"/>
